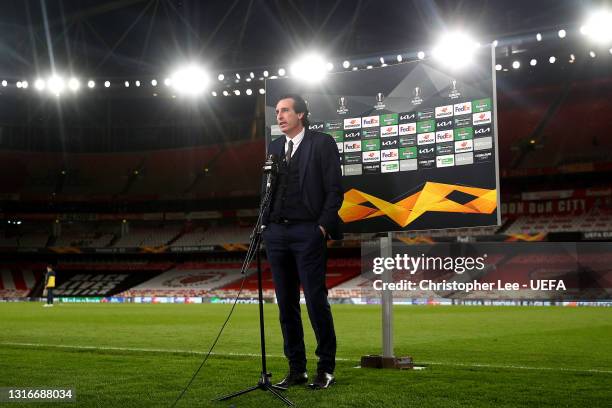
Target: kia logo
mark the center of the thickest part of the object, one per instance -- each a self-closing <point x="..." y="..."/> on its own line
<point x="316" y="127"/>
<point x="483" y="131"/>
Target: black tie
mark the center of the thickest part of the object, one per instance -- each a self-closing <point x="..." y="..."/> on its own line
<point x="289" y="151"/>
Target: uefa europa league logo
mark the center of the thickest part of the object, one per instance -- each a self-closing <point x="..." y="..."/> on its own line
<point x="342" y="109"/>
<point x="454" y="93"/>
<point x="379" y="101"/>
<point x="417" y="100"/>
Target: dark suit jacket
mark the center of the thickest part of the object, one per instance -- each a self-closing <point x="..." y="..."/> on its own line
<point x="320" y="178"/>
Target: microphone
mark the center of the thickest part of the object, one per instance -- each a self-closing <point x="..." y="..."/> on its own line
<point x="270" y="169"/>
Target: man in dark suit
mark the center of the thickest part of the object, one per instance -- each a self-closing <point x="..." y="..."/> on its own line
<point x="303" y="213"/>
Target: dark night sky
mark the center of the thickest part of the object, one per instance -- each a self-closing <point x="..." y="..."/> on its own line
<point x="140" y="37"/>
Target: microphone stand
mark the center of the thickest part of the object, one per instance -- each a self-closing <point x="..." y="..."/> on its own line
<point x="264" y="384"/>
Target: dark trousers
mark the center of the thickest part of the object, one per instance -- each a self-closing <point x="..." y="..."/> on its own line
<point x="49" y="296"/>
<point x="297" y="254"/>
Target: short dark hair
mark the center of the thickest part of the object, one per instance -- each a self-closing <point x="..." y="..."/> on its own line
<point x="299" y="106"/>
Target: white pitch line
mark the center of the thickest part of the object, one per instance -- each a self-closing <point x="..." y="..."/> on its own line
<point x="230" y="354"/>
<point x="478" y="365"/>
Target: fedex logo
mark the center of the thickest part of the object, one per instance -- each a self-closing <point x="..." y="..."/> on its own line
<point x="354" y="146"/>
<point x="407" y="128"/>
<point x="389" y="154"/>
<point x="444" y="136"/>
<point x="463" y="108"/>
<point x="370" y="121"/>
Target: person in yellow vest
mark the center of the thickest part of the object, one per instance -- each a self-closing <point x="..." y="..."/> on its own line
<point x="49" y="285"/>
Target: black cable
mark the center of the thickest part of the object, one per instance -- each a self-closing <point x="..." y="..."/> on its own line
<point x="251" y="252"/>
<point x="213" y="345"/>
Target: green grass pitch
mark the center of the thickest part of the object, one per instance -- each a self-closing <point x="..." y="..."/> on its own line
<point x="137" y="355"/>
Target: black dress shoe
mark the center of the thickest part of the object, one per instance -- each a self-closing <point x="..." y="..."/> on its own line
<point x="293" y="378"/>
<point x="322" y="380"/>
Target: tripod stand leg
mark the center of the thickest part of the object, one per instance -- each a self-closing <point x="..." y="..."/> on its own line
<point x="235" y="394"/>
<point x="279" y="395"/>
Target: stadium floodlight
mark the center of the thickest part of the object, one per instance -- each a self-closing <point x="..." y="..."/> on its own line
<point x="561" y="33"/>
<point x="592" y="54"/>
<point x="346" y="64"/>
<point x="249" y="91"/>
<point x="281" y="72"/>
<point x="330" y="66"/>
<point x="127" y="84"/>
<point x="355" y="68"/>
<point x="220" y="77"/>
<point x="598" y="27"/>
<point x="262" y="91"/>
<point x="91" y="84"/>
<point x="310" y="68"/>
<point x="74" y="84"/>
<point x="18" y="84"/>
<point x="552" y="60"/>
<point x="137" y="83"/>
<point x="24" y="84"/>
<point x="214" y="93"/>
<point x="237" y="76"/>
<point x="252" y="74"/>
<point x="399" y="58"/>
<point x="610" y="50"/>
<point x="154" y="82"/>
<point x="190" y="80"/>
<point x="225" y="93"/>
<point x="498" y="67"/>
<point x="495" y="43"/>
<point x="265" y="74"/>
<point x="382" y="60"/>
<point x="167" y="82"/>
<point x="455" y="49"/>
<point x="369" y="67"/>
<point x="516" y="65"/>
<point x="39" y="84"/>
<point x="538" y="37"/>
<point x="533" y="62"/>
<point x="4" y="83"/>
<point x="421" y="55"/>
<point x="237" y="92"/>
<point x="56" y="85"/>
<point x="107" y="84"/>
